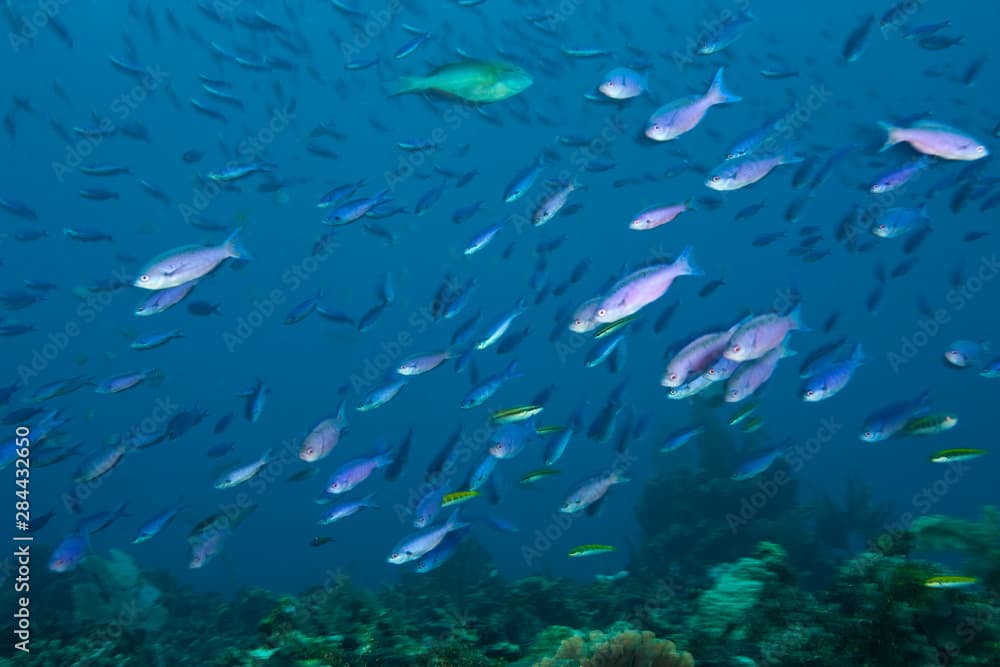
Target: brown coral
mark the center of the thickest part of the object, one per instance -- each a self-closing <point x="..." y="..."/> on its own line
<point x="629" y="648"/>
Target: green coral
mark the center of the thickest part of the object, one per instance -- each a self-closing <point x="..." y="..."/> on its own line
<point x="723" y="610"/>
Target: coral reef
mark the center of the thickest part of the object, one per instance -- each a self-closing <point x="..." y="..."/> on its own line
<point x="117" y="591"/>
<point x="620" y="647"/>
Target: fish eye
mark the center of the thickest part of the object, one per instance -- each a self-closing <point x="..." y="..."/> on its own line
<point x="882" y="227"/>
<point x="980" y="149"/>
<point x="144" y="278"/>
<point x="602" y="312"/>
<point x="810" y="392"/>
<point x="716" y="179"/>
<point x="736" y="348"/>
<point x="711" y="371"/>
<point x="673" y="376"/>
<point x="868" y="434"/>
<point x="309" y="450"/>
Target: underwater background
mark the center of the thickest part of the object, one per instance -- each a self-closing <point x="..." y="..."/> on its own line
<point x="670" y="530"/>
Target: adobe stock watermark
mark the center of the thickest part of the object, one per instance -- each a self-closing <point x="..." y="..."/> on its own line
<point x="248" y="150"/>
<point x="898" y="16"/>
<point x="560" y="522"/>
<point x="31" y="25"/>
<point x="923" y="501"/>
<point x="957" y="299"/>
<point x="292" y="279"/>
<point x="57" y="341"/>
<point x="769" y="486"/>
<point x="162" y="412"/>
<point x="468" y="445"/>
<point x="374" y="25"/>
<point x="706" y="30"/>
<point x="375" y="368"/>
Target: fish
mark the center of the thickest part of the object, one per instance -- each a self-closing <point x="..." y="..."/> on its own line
<point x="935" y="139"/>
<point x="357" y="470"/>
<point x="679" y="438"/>
<point x="929" y="424"/>
<point x="535" y="475"/>
<point x="324" y="437"/>
<point x="641" y="288"/>
<point x="956" y="455"/>
<point x="189" y="263"/>
<point x="347" y="508"/>
<point x="470" y="80"/>
<point x="125" y="381"/>
<point x="622" y="83"/>
<point x="155" y="525"/>
<point x="683" y="115"/>
<point x="69" y="553"/>
<point x="830" y="381"/>
<point x="485" y="390"/>
<point x="590" y="550"/>
<point x="523" y="180"/>
<point x="551" y="205"/>
<point x="950" y="581"/>
<point x="655" y="216"/>
<point x="243" y="473"/>
<point x="965" y="353"/>
<point x="415" y="546"/>
<point x="591" y="491"/>
<point x="741" y="172"/>
<point x="759" y="464"/>
<point x="458" y="497"/>
<point x="758" y="335"/>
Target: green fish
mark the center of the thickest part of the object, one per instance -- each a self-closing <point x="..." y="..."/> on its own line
<point x="950" y="582"/>
<point x="930" y="424"/>
<point x="960" y="454"/>
<point x="470" y="80"/>
<point x="612" y="327"/>
<point x="590" y="550"/>
<point x="518" y="414"/>
<point x="458" y="497"/>
<point x="743" y="413"/>
<point x="536" y="475"/>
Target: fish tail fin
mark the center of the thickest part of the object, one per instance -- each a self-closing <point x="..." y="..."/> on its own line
<point x="408" y="84"/>
<point x="267" y="456"/>
<point x="859" y="355"/>
<point x="797" y="322"/>
<point x="455" y="522"/>
<point x="792" y="157"/>
<point x="718" y="92"/>
<point x="369" y="501"/>
<point x="685" y="262"/>
<point x="891" y="138"/>
<point x="234" y="246"/>
<point x="513" y="370"/>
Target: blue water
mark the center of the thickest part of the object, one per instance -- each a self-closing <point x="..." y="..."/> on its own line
<point x="309" y="365"/>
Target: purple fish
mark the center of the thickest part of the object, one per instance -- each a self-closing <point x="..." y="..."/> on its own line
<point x="324" y="437"/>
<point x="643" y="287"/>
<point x="759" y="335"/>
<point x="356" y="471"/>
<point x="590" y="491"/>
<point x="675" y="118"/>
